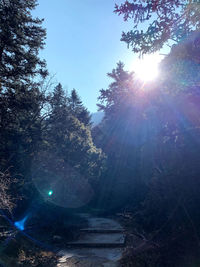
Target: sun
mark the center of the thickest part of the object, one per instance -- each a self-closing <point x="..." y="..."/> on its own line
<point x="147" y="68"/>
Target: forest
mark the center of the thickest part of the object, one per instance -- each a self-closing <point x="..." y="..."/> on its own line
<point x="139" y="166"/>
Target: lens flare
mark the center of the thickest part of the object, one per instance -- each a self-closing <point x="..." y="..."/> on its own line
<point x="147" y="68"/>
<point x="21" y="224"/>
<point x="50" y="192"/>
<point x="59" y="183"/>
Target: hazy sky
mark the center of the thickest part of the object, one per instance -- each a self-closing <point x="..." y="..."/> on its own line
<point x="83" y="44"/>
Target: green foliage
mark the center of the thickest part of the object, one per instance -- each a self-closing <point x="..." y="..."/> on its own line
<point x="173" y="197"/>
<point x="69" y="138"/>
<point x="33" y="124"/>
<point x="121" y="135"/>
<point x="21" y="38"/>
<point x="21" y="100"/>
<point x="119" y="92"/>
<point x="77" y="108"/>
<point x="67" y="161"/>
<point x="181" y="67"/>
<point x="20" y="125"/>
<point x="169" y="20"/>
<point x="151" y="138"/>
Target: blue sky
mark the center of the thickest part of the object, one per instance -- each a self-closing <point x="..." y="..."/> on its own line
<point x="83" y="44"/>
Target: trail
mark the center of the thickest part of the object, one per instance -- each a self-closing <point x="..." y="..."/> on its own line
<point x="99" y="245"/>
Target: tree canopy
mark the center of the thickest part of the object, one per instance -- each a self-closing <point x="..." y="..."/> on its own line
<point x="34" y="123"/>
<point x="168" y="22"/>
<point x="77" y="108"/>
<point x="21" y="38"/>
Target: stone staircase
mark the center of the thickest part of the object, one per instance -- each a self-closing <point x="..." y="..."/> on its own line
<point x="101" y="244"/>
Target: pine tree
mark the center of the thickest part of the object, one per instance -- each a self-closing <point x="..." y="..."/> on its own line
<point x="20" y="126"/>
<point x="21" y="38"/>
<point x="58" y="101"/>
<point x="121" y="135"/>
<point x="77" y="108"/>
<point x="169" y="21"/>
<point x="69" y="139"/>
<point x="120" y="93"/>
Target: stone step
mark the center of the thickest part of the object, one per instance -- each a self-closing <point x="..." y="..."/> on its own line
<point x="103" y="223"/>
<point x="99" y="240"/>
<point x="101" y="230"/>
<point x="112" y="254"/>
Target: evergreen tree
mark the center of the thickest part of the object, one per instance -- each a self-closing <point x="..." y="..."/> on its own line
<point x="21" y="38"/>
<point x="181" y="67"/>
<point x="171" y="20"/>
<point x="121" y="135"/>
<point x="20" y="127"/>
<point x="75" y="101"/>
<point x="77" y="108"/>
<point x="120" y="91"/>
<point x="69" y="139"/>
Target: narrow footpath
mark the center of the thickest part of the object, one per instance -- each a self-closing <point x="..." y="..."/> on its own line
<point x="99" y="245"/>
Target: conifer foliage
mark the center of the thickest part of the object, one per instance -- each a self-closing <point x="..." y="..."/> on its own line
<point x="21" y="38"/>
<point x="68" y="137"/>
<point x="77" y="108"/>
<point x="170" y="20"/>
<point x="33" y="123"/>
